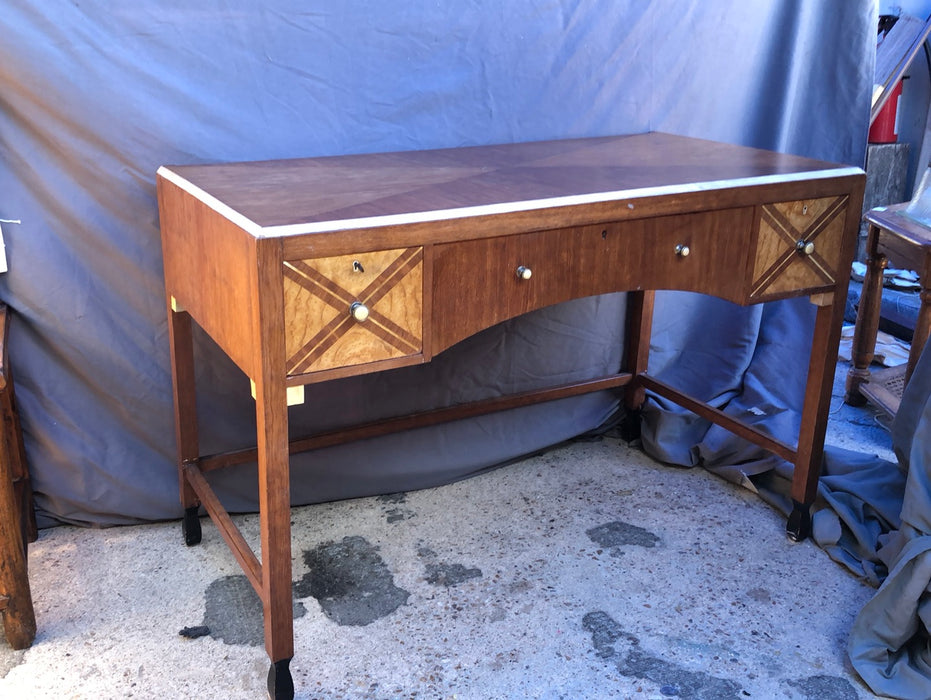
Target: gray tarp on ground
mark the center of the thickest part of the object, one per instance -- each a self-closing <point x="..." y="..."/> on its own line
<point x="890" y="642"/>
<point x="95" y="96"/>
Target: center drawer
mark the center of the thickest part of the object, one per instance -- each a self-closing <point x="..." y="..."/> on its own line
<point x="479" y="283"/>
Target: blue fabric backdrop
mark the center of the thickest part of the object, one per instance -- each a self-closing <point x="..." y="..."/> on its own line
<point x="94" y="97"/>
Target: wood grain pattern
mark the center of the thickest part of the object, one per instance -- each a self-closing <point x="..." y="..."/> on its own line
<point x="476" y="283"/>
<point x="321" y="334"/>
<point x="779" y="268"/>
<point x="209" y="268"/>
<point x="340" y="189"/>
<point x="16" y="516"/>
<point x="274" y="483"/>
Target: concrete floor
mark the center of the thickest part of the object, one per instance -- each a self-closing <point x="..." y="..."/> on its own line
<point x="589" y="571"/>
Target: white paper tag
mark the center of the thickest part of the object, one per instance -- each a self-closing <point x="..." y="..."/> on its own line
<point x="3" y="267"/>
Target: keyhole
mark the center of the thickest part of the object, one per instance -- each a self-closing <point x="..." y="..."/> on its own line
<point x="357" y="266"/>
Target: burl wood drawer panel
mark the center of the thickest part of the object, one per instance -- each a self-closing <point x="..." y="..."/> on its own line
<point x="321" y="331"/>
<point x="799" y="247"/>
<point x="477" y="283"/>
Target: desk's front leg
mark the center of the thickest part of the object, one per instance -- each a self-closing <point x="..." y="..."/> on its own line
<point x="271" y="412"/>
<point x="185" y="401"/>
<point x="810" y="453"/>
<point x="275" y="514"/>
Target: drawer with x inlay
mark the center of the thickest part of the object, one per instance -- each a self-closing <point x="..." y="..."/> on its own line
<point x="353" y="309"/>
<point x="799" y="247"/>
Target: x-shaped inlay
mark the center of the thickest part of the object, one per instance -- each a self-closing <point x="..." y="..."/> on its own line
<point x="787" y="231"/>
<point x="335" y="296"/>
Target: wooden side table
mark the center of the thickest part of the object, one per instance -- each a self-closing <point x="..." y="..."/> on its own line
<point x="894" y="236"/>
<point x="17" y="519"/>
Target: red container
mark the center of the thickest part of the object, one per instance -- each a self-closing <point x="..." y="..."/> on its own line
<point x="885" y="129"/>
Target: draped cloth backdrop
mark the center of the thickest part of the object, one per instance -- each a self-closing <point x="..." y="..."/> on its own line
<point x="95" y="96"/>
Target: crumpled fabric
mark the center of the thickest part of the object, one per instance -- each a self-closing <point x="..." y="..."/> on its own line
<point x="890" y="641"/>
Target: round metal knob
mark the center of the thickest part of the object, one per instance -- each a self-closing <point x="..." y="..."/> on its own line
<point x="682" y="250"/>
<point x="525" y="273"/>
<point x="805" y="247"/>
<point x="359" y="311"/>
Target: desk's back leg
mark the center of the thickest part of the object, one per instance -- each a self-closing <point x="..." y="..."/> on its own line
<point x="815" y="413"/>
<point x="637" y="355"/>
<point x="185" y="400"/>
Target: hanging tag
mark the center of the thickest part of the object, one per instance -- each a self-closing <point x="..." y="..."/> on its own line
<point x="3" y="267"/>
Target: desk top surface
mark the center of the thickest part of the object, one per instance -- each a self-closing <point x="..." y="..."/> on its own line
<point x="312" y="195"/>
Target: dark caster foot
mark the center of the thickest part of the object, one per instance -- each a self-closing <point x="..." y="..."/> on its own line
<point x="799" y="525"/>
<point x="190" y="526"/>
<point x="280" y="685"/>
<point x="630" y="426"/>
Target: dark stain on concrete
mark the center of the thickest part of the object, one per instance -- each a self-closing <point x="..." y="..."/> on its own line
<point x="634" y="662"/>
<point x="618" y="534"/>
<point x="400" y="497"/>
<point x="350" y="581"/>
<point x="233" y="611"/>
<point x="760" y="595"/>
<point x="394" y="515"/>
<point x="442" y="574"/>
<point x="825" y="688"/>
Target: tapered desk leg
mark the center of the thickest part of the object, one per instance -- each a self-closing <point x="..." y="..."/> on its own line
<point x="815" y="412"/>
<point x="867" y="324"/>
<point x="275" y="514"/>
<point x="185" y="400"/>
<point x="271" y="411"/>
<point x="639" y="329"/>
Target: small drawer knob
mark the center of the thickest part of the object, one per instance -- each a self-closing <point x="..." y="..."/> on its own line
<point x="805" y="247"/>
<point x="682" y="250"/>
<point x="359" y="311"/>
<point x="525" y="273"/>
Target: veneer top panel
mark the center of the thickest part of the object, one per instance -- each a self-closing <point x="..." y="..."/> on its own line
<point x="312" y="195"/>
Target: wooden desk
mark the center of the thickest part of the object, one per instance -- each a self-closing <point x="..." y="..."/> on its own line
<point x="312" y="269"/>
<point x="897" y="237"/>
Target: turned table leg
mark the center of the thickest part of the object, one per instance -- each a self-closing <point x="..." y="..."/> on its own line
<point x="867" y="324"/>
